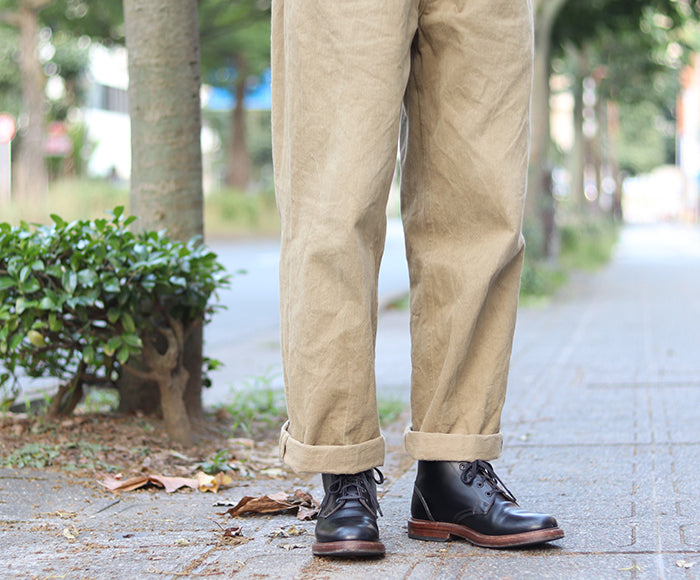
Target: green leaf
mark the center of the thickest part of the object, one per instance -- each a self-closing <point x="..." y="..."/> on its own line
<point x="47" y="303"/>
<point x="36" y="338"/>
<point x="89" y="354"/>
<point x="128" y="322"/>
<point x="55" y="324"/>
<point x="87" y="278"/>
<point x="69" y="280"/>
<point x="6" y="283"/>
<point x="55" y="270"/>
<point x="113" y="315"/>
<point x="58" y="220"/>
<point x="31" y="286"/>
<point x="112" y="345"/>
<point x="15" y="339"/>
<point x="38" y="266"/>
<point x="24" y="274"/>
<point x="111" y="285"/>
<point x="132" y="340"/>
<point x="123" y="354"/>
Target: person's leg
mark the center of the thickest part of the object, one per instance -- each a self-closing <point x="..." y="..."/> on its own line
<point x="465" y="155"/>
<point x="339" y="73"/>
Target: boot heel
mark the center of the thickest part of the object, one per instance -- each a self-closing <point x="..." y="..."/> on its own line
<point x="429" y="531"/>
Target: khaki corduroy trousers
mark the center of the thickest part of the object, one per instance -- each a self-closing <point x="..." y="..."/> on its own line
<point x="452" y="79"/>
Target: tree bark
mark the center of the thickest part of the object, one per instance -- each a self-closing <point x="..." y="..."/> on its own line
<point x="177" y="423"/>
<point x="32" y="175"/>
<point x="164" y="103"/>
<point x="239" y="156"/>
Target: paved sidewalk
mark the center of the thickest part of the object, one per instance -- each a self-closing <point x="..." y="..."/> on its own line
<point x="602" y="428"/>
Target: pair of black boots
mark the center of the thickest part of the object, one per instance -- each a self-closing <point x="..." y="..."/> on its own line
<point x="462" y="499"/>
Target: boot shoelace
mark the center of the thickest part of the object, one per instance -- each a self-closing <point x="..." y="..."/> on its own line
<point x="470" y="470"/>
<point x="357" y="487"/>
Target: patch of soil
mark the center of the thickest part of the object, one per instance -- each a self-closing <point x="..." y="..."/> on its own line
<point x="99" y="443"/>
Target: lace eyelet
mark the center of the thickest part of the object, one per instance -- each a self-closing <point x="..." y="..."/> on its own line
<point x="480" y="484"/>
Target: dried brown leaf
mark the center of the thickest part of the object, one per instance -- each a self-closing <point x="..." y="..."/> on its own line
<point x="171" y="484"/>
<point x="116" y="484"/>
<point x="275" y="503"/>
<point x="307" y="514"/>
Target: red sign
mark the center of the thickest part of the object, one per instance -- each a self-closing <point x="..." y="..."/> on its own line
<point x="8" y="127"/>
<point x="58" y="143"/>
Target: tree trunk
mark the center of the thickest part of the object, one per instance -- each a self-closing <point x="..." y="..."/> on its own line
<point x="32" y="176"/>
<point x="539" y="203"/>
<point x="577" y="157"/>
<point x="239" y="157"/>
<point x="193" y="362"/>
<point x="136" y="394"/>
<point x="164" y="103"/>
<point x="68" y="396"/>
<point x="177" y="423"/>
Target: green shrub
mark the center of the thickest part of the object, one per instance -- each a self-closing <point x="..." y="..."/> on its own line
<point x="587" y="243"/>
<point x="79" y="300"/>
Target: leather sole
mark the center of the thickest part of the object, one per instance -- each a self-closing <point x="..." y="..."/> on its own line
<point x="348" y="549"/>
<point x="443" y="531"/>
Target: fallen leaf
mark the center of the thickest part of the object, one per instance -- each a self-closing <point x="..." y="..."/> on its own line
<point x="115" y="484"/>
<point x="289" y="532"/>
<point x="307" y="514"/>
<point x="233" y="532"/>
<point x="275" y="503"/>
<point x="171" y="484"/>
<point x="212" y="482"/>
<point x="290" y="546"/>
<point x="70" y="533"/>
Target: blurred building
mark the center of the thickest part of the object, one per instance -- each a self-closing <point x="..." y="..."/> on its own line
<point x="106" y="115"/>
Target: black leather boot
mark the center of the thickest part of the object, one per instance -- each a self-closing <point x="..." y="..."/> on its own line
<point x="468" y="500"/>
<point x="347" y="520"/>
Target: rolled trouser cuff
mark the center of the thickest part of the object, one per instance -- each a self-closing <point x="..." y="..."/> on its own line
<point x="452" y="447"/>
<point x="330" y="458"/>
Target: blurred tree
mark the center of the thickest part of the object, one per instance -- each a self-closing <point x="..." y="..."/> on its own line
<point x="25" y="56"/>
<point x="31" y="178"/>
<point x="539" y="214"/>
<point x="166" y="174"/>
<point x="235" y="45"/>
<point x="100" y="20"/>
<point x="569" y="23"/>
<point x="10" y="79"/>
<point x="631" y="58"/>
